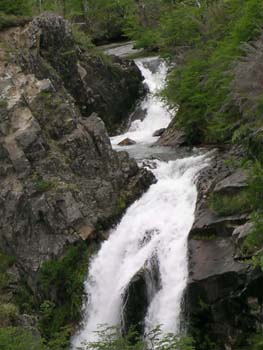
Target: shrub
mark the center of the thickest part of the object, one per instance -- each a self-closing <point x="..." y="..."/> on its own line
<point x="230" y="204"/>
<point x="16" y="338"/>
<point x="62" y="285"/>
<point x="8" y="314"/>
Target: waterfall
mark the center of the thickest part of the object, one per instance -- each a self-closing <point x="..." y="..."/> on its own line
<point x="156" y="225"/>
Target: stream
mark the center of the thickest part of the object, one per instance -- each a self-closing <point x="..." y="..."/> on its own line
<point x="153" y="231"/>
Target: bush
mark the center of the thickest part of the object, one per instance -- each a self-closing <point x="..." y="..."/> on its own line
<point x="62" y="285"/>
<point x="8" y="314"/>
<point x="230" y="204"/>
<point x="16" y="338"/>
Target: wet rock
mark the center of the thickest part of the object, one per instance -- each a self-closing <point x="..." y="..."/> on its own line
<point x="152" y="64"/>
<point x="138" y="114"/>
<point x="172" y="138"/>
<point x="127" y="142"/>
<point x="138" y="295"/>
<point x="159" y="132"/>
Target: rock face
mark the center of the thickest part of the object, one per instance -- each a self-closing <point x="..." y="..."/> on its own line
<point x="223" y="299"/>
<point x="60" y="179"/>
<point x="139" y="294"/>
<point x="108" y="87"/>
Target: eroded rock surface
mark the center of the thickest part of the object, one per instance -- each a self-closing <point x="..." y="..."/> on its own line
<point x="60" y="179"/>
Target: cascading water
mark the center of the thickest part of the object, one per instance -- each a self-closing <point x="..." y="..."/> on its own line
<point x="157" y="114"/>
<point x="157" y="225"/>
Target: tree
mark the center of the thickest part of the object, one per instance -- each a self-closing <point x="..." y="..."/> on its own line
<point x="16" y="7"/>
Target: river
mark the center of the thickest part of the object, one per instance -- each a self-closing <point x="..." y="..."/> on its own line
<point x="154" y="229"/>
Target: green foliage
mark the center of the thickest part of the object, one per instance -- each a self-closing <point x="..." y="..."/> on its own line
<point x="83" y="39"/>
<point x="3" y="103"/>
<point x="8" y="314"/>
<point x="257" y="341"/>
<point x="16" y="7"/>
<point x="16" y="338"/>
<point x="201" y="84"/>
<point x="62" y="284"/>
<point x="112" y="338"/>
<point x="106" y="19"/>
<point x="254" y="241"/>
<point x="230" y="204"/>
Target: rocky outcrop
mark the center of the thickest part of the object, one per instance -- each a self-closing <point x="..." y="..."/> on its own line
<point x="61" y="182"/>
<point x="223" y="299"/>
<point x="108" y="86"/>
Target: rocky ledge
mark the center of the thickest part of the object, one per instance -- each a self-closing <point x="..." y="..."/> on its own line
<point x="223" y="301"/>
<point x="61" y="181"/>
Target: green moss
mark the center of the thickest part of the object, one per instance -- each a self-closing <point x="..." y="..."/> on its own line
<point x="203" y="238"/>
<point x="6" y="261"/>
<point x="3" y="104"/>
<point x="42" y="185"/>
<point x="122" y="203"/>
<point x="230" y="204"/>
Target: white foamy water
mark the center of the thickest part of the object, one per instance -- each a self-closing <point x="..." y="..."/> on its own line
<point x="157" y="113"/>
<point x="166" y="210"/>
<point x="155" y="226"/>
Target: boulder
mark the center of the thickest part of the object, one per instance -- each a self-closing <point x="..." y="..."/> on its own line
<point x="172" y="138"/>
<point x="127" y="142"/>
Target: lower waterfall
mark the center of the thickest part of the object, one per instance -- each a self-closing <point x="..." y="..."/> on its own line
<point x="155" y="227"/>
